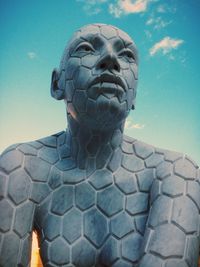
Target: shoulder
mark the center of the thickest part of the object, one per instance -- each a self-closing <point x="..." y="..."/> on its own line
<point x="34" y="157"/>
<point x="26" y="167"/>
<point x="165" y="162"/>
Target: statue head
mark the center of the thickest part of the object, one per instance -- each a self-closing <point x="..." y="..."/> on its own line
<point x="97" y="76"/>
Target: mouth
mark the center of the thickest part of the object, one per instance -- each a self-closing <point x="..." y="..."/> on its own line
<point x="108" y="85"/>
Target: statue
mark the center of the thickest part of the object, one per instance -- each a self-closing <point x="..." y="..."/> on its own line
<point x="95" y="196"/>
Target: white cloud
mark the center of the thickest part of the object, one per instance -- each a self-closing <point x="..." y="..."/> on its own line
<point x="128" y="7"/>
<point x="115" y="10"/>
<point x="31" y="55"/>
<point x="161" y="9"/>
<point x="130" y="125"/>
<point x="158" y="23"/>
<point x="136" y="6"/>
<point x="92" y="7"/>
<point x="165" y="45"/>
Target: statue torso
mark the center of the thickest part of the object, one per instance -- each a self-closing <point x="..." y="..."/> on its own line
<point x="96" y="217"/>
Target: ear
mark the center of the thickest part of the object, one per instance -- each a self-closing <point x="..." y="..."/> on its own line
<point x="56" y="92"/>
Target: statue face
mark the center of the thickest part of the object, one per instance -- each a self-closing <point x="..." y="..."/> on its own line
<point x="99" y="68"/>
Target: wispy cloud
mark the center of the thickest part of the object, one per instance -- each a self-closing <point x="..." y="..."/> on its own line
<point x="92" y="7"/>
<point x="130" y="125"/>
<point x="165" y="45"/>
<point x="125" y="7"/>
<point x="158" y="23"/>
<point x="32" y="55"/>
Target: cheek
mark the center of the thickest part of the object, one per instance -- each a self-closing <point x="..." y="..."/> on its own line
<point x="71" y="67"/>
<point x="81" y="78"/>
<point x="129" y="76"/>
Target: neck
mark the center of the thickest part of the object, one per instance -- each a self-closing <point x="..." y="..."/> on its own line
<point x="93" y="147"/>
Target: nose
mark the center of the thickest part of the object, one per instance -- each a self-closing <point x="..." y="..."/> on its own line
<point x="108" y="61"/>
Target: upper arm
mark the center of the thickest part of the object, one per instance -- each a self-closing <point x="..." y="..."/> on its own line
<point x="172" y="233"/>
<point x="16" y="210"/>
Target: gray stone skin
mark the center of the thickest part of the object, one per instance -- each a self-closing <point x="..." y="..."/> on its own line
<point x="95" y="196"/>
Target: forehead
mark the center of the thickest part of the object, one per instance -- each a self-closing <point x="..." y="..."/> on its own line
<point x="98" y="32"/>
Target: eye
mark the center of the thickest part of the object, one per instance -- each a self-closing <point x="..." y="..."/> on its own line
<point x="85" y="47"/>
<point x="128" y="54"/>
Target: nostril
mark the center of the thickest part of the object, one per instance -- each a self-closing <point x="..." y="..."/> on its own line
<point x="102" y="66"/>
<point x="116" y="67"/>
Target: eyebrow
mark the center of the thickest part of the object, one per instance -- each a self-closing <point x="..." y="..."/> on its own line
<point x="118" y="44"/>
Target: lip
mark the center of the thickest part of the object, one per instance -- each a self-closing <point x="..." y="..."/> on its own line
<point x="107" y="78"/>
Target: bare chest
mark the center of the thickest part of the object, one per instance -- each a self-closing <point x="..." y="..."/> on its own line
<point x="98" y="221"/>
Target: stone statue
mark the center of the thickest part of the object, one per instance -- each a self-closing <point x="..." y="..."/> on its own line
<point x="95" y="196"/>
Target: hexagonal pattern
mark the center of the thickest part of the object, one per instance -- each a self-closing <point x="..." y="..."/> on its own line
<point x="145" y="179"/>
<point x="62" y="200"/>
<point x="131" y="246"/>
<point x="72" y="225"/>
<point x="184" y="209"/>
<point x="24" y="219"/>
<point x="83" y="254"/>
<point x="11" y="160"/>
<point x="95" y="227"/>
<point x="74" y="176"/>
<point x="59" y="256"/>
<point x="39" y="191"/>
<point x="168" y="231"/>
<point x="48" y="154"/>
<point x="89" y="191"/>
<point x="162" y="203"/>
<point x="168" y="187"/>
<point x="122" y="224"/>
<point x="84" y="196"/>
<point x="143" y="150"/>
<point x="9" y="250"/>
<point x="164" y="169"/>
<point x="132" y="163"/>
<point x="110" y="252"/>
<point x="185" y="169"/>
<point x="6" y="215"/>
<point x="38" y="169"/>
<point x="137" y="203"/>
<point x="3" y="179"/>
<point x="110" y="200"/>
<point x="19" y="186"/>
<point x="101" y="179"/>
<point x="52" y="225"/>
<point x="125" y="181"/>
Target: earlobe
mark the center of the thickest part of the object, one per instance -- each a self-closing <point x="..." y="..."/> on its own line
<point x="56" y="91"/>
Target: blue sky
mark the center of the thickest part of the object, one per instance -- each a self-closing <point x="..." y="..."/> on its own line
<point x="33" y="36"/>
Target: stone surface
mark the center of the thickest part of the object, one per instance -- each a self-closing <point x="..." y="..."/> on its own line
<point x="137" y="203"/>
<point x="125" y="181"/>
<point x="110" y="201"/>
<point x="6" y="212"/>
<point x="62" y="200"/>
<point x="110" y="252"/>
<point x="184" y="209"/>
<point x="95" y="196"/>
<point x="121" y="225"/>
<point x="84" y="196"/>
<point x="95" y="227"/>
<point x="11" y="160"/>
<point x="83" y="254"/>
<point x="101" y="179"/>
<point x="131" y="247"/>
<point x="72" y="225"/>
<point x="59" y="256"/>
<point x="19" y="186"/>
<point x="167" y="232"/>
<point x="52" y="225"/>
